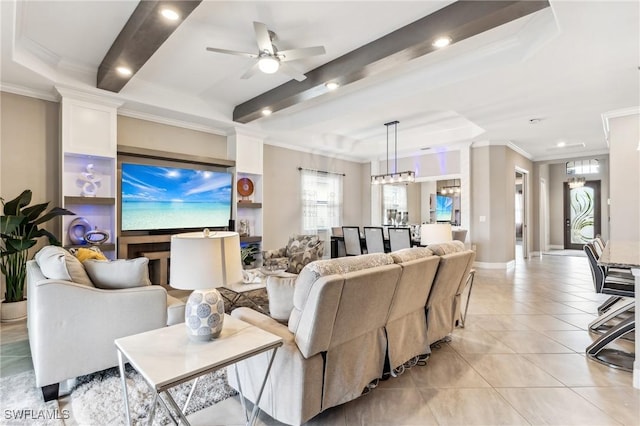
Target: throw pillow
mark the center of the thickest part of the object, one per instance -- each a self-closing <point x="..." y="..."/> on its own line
<point x="447" y="248"/>
<point x="58" y="264"/>
<point x="83" y="254"/>
<point x="117" y="274"/>
<point x="280" y="292"/>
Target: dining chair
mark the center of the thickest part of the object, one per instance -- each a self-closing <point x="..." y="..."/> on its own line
<point x="399" y="238"/>
<point x="616" y="286"/>
<point x="352" y="245"/>
<point x="373" y="237"/>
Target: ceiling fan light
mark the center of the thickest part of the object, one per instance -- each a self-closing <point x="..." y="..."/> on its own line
<point x="268" y="64"/>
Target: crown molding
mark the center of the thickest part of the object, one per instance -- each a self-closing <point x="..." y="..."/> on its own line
<point x="615" y="114"/>
<point x="171" y="122"/>
<point x="566" y="156"/>
<point x="508" y="144"/>
<point x="317" y="152"/>
<point x="89" y="96"/>
<point x="29" y="92"/>
<point x="240" y="130"/>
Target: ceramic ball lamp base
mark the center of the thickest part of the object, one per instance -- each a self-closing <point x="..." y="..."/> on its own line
<point x="204" y="315"/>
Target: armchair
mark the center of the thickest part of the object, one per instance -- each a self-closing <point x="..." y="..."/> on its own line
<point x="300" y="250"/>
<point x="72" y="323"/>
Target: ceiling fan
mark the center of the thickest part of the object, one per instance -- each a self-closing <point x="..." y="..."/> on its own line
<point x="270" y="59"/>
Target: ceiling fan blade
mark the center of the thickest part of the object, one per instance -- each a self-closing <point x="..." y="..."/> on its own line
<point x="262" y="37"/>
<point x="232" y="52"/>
<point x="292" y="72"/>
<point x="250" y="72"/>
<point x="304" y="52"/>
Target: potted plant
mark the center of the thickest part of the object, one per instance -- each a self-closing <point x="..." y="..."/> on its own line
<point x="247" y="255"/>
<point x="19" y="232"/>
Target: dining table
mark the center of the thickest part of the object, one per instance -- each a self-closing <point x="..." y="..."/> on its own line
<point x="626" y="254"/>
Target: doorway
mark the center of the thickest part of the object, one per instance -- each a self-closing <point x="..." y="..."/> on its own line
<point x="581" y="214"/>
<point x="521" y="217"/>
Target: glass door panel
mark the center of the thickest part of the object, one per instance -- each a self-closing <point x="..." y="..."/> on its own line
<point x="582" y="214"/>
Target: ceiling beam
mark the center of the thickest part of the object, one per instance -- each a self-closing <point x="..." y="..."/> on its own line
<point x="459" y="21"/>
<point x="141" y="36"/>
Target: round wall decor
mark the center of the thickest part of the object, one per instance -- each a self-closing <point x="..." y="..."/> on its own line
<point x="245" y="187"/>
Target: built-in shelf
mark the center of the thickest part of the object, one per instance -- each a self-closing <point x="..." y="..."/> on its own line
<point x="102" y="247"/>
<point x="255" y="239"/>
<point x="249" y="205"/>
<point x="106" y="201"/>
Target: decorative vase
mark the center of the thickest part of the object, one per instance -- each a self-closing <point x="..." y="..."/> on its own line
<point x="204" y="315"/>
<point x="13" y="311"/>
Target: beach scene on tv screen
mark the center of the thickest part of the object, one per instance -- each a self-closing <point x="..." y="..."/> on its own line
<point x="155" y="197"/>
<point x="444" y="208"/>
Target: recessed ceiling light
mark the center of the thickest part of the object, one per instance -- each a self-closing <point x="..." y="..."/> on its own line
<point x="170" y="14"/>
<point x="561" y="144"/>
<point x="124" y="71"/>
<point x="535" y="120"/>
<point x="442" y="42"/>
<point x="332" y="85"/>
<point x="266" y="111"/>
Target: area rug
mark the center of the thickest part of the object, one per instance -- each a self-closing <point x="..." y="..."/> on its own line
<point x="22" y="403"/>
<point x="97" y="399"/>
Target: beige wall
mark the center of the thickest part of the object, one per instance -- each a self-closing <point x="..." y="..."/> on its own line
<point x="29" y="153"/>
<point x="492" y="197"/>
<point x="29" y="145"/>
<point x="282" y="209"/>
<point x="624" y="140"/>
<point x="162" y="137"/>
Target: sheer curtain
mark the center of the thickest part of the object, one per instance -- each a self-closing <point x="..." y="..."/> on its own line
<point x="321" y="200"/>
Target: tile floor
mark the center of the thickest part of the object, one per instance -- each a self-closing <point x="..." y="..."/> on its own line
<point x="519" y="360"/>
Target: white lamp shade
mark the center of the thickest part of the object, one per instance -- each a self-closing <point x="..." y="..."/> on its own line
<point x="203" y="262"/>
<point x="435" y="233"/>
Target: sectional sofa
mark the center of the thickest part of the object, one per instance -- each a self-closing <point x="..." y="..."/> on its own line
<point x="353" y="320"/>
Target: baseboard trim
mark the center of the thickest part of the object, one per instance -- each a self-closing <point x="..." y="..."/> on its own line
<point x="556" y="247"/>
<point x="495" y="265"/>
<point x="536" y="253"/>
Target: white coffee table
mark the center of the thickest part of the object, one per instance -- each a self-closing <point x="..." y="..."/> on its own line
<point x="167" y="357"/>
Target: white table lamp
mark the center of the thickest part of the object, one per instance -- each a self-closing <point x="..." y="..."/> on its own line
<point x="201" y="261"/>
<point x="435" y="233"/>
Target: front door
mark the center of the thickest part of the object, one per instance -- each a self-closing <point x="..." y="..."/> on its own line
<point x="581" y="214"/>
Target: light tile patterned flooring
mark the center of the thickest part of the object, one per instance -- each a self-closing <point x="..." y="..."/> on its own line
<point x="519" y="360"/>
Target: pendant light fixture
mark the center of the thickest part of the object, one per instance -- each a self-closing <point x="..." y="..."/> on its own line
<point x="395" y="177"/>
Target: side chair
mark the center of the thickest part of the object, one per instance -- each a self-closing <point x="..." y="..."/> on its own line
<point x="373" y="237"/>
<point x="352" y="245"/>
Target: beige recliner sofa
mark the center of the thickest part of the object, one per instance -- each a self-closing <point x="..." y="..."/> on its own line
<point x="335" y="342"/>
<point x="72" y="325"/>
<point x="445" y="298"/>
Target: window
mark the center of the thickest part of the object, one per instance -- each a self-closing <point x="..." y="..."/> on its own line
<point x="321" y="200"/>
<point x="394" y="201"/>
<point x="583" y="167"/>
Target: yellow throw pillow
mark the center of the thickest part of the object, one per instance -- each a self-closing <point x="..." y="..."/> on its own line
<point x="84" y="253"/>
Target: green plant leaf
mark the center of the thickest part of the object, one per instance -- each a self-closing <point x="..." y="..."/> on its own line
<point x="14" y="206"/>
<point x="34" y="211"/>
<point x="54" y="212"/>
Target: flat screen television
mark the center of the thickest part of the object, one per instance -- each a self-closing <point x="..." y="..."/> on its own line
<point x="444" y="208"/>
<point x="159" y="198"/>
